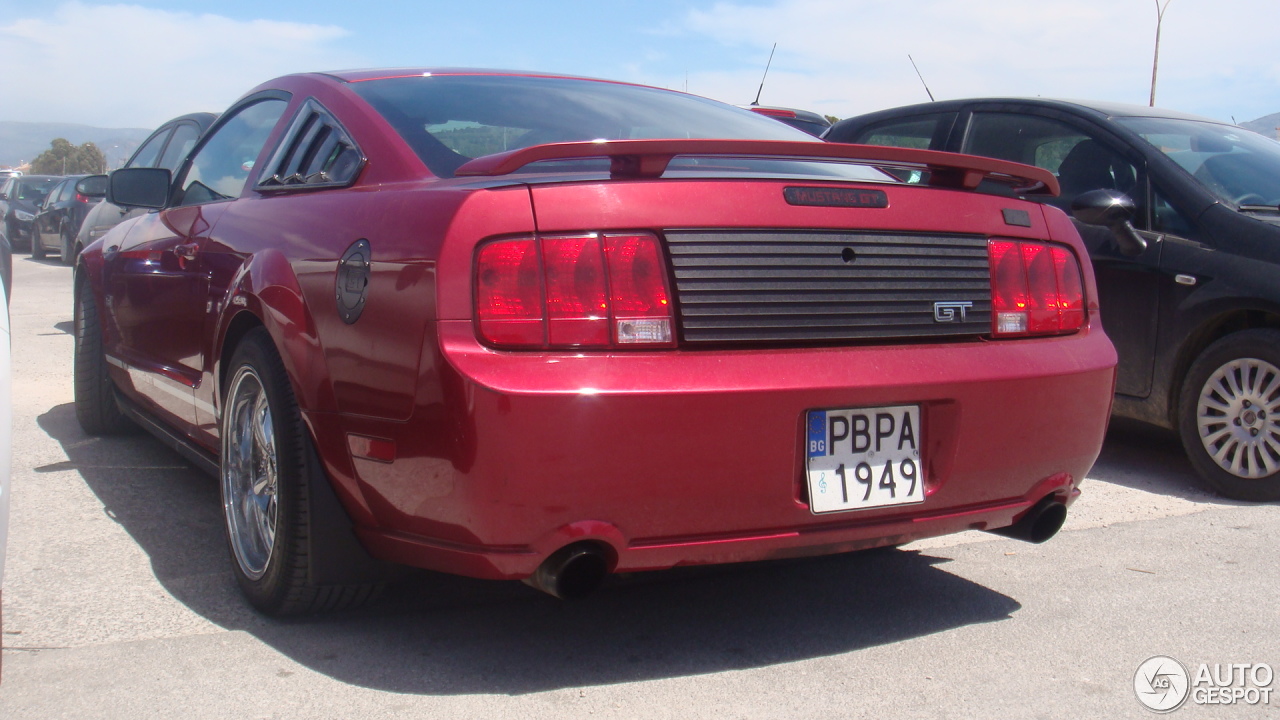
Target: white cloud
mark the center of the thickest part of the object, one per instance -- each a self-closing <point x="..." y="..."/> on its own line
<point x="129" y="66"/>
<point x="845" y="57"/>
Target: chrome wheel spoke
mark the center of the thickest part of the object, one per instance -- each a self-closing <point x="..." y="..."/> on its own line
<point x="250" y="479"/>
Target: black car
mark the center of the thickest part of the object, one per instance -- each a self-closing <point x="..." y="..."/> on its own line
<point x="20" y="199"/>
<point x="62" y="212"/>
<point x="164" y="148"/>
<point x="810" y="122"/>
<point x="1188" y="271"/>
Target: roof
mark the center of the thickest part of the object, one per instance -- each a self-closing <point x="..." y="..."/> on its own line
<point x="1101" y="109"/>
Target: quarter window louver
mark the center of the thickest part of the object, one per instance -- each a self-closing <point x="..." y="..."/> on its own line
<point x="316" y="152"/>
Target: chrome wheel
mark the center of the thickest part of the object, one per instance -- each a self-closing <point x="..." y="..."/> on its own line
<point x="1238" y="418"/>
<point x="250" y="472"/>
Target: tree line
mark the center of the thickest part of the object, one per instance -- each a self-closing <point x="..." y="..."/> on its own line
<point x="63" y="158"/>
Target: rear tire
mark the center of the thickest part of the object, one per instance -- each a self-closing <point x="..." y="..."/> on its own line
<point x="265" y="476"/>
<point x="1230" y="415"/>
<point x="37" y="250"/>
<point x="65" y="253"/>
<point x="95" y="397"/>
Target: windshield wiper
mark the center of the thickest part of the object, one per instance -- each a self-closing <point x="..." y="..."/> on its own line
<point x="1259" y="208"/>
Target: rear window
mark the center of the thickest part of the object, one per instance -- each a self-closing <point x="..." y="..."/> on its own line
<point x="450" y="119"/>
<point x="35" y="189"/>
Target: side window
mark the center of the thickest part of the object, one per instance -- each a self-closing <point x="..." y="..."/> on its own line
<point x="147" y="154"/>
<point x="219" y="170"/>
<point x="1165" y="217"/>
<point x="1081" y="163"/>
<point x="183" y="139"/>
<point x="916" y="132"/>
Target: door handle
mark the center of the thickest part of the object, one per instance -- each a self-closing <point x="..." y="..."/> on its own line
<point x="186" y="251"/>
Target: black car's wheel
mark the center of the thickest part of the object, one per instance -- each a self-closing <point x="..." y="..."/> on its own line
<point x="37" y="249"/>
<point x="65" y="253"/>
<point x="94" y="392"/>
<point x="1230" y="415"/>
<point x="265" y="482"/>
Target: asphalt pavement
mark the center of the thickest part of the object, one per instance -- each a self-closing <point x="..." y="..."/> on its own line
<point x="119" y="603"/>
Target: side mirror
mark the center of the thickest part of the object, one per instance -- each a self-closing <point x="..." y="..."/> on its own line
<point x="139" y="187"/>
<point x="1113" y="210"/>
<point x="93" y="186"/>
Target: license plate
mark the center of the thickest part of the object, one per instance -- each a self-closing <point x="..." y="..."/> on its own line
<point x="864" y="458"/>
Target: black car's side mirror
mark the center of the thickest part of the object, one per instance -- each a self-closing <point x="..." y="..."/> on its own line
<point x="1113" y="210"/>
<point x="93" y="186"/>
<point x="139" y="187"/>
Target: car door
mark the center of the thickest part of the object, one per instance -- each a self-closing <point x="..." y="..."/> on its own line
<point x="46" y="225"/>
<point x="1086" y="158"/>
<point x="158" y="277"/>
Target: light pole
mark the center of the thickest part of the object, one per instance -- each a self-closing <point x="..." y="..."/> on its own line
<point x="1155" y="61"/>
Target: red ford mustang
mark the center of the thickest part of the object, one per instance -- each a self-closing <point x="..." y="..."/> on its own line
<point x="547" y="328"/>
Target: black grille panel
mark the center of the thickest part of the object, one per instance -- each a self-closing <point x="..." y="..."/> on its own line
<point x="797" y="287"/>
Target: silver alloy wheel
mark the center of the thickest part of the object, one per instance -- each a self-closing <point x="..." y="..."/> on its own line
<point x="250" y="473"/>
<point x="1238" y="416"/>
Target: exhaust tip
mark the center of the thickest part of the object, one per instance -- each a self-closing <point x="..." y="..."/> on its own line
<point x="1041" y="522"/>
<point x="571" y="572"/>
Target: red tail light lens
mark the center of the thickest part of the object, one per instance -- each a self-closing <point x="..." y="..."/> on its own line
<point x="580" y="291"/>
<point x="1036" y="289"/>
<point x="509" y="293"/>
<point x="577" y="308"/>
<point x="638" y="283"/>
<point x="83" y="198"/>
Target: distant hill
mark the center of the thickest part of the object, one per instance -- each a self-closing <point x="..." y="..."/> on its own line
<point x="1265" y="126"/>
<point x="21" y="142"/>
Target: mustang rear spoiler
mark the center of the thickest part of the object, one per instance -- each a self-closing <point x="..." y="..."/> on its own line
<point x="649" y="159"/>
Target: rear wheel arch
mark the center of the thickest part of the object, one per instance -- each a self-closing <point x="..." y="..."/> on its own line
<point x="266" y="292"/>
<point x="1206" y="334"/>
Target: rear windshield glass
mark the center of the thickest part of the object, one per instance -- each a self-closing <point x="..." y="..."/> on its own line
<point x="450" y="119"/>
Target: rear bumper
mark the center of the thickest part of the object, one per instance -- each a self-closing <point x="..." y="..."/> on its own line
<point x="694" y="457"/>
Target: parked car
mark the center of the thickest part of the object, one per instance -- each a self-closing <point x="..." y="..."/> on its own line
<point x="462" y="320"/>
<point x="165" y="148"/>
<point x="1193" y="303"/>
<point x="6" y="443"/>
<point x="8" y="173"/>
<point x="6" y="265"/>
<point x="20" y="199"/>
<point x="810" y="122"/>
<point x="63" y="210"/>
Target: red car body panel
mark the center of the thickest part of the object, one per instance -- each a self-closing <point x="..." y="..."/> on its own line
<point x="489" y="460"/>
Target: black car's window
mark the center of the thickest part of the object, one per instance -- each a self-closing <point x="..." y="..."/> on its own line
<point x="147" y="155"/>
<point x="1165" y="217"/>
<point x="915" y="132"/>
<point x="449" y="119"/>
<point x="35" y="189"/>
<point x="1235" y="165"/>
<point x="180" y="143"/>
<point x="1081" y="163"/>
<point x="66" y="191"/>
<point x="219" y="170"/>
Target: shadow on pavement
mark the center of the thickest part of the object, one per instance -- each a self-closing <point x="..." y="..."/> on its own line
<point x="1149" y="458"/>
<point x="443" y="635"/>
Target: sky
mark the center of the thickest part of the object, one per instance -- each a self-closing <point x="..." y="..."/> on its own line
<point x="138" y="64"/>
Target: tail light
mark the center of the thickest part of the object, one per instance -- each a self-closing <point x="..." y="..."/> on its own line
<point x="80" y="198"/>
<point x="574" y="291"/>
<point x="1036" y="289"/>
